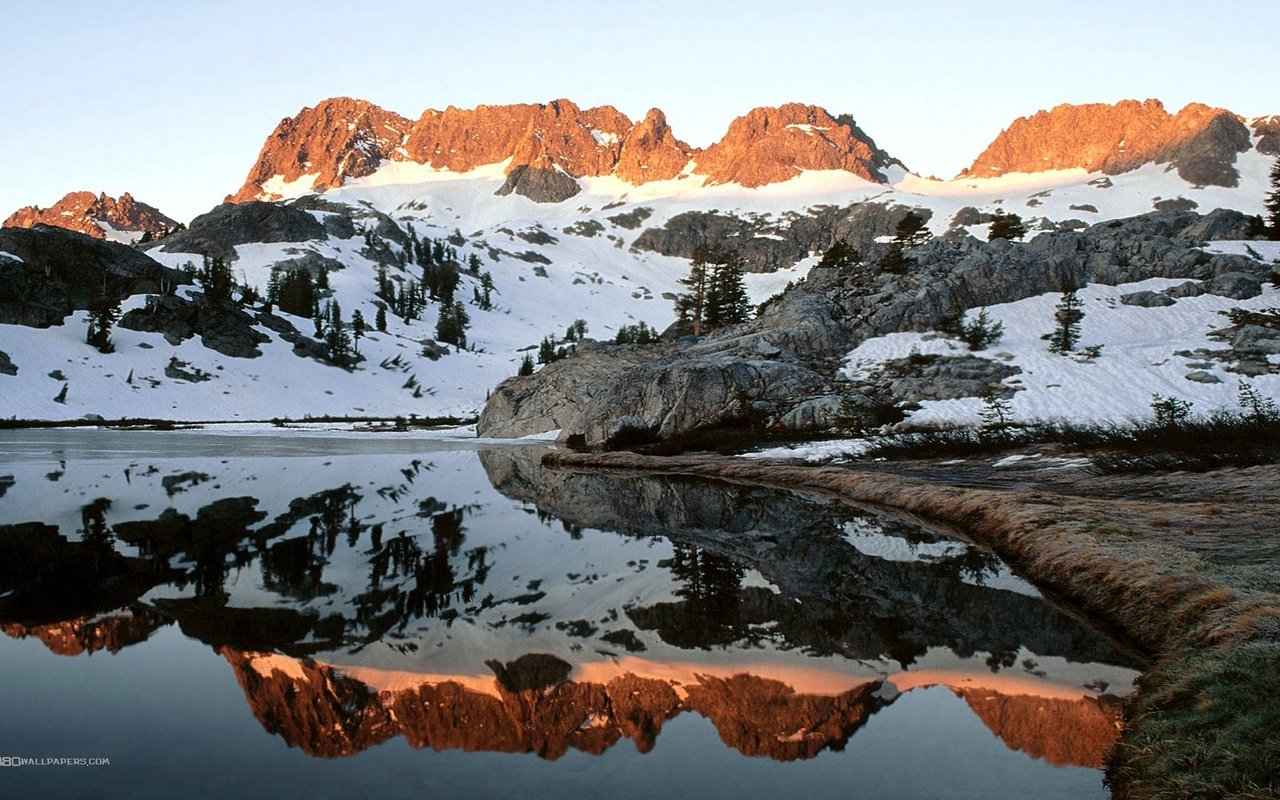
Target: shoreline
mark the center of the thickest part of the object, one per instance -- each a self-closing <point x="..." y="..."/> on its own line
<point x="1212" y="633"/>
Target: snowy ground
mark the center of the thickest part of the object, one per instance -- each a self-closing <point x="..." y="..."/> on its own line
<point x="1138" y="357"/>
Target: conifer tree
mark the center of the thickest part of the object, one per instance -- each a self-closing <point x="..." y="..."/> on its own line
<point x="1272" y="203"/>
<point x="358" y="329"/>
<point x="911" y="231"/>
<point x="691" y="305"/>
<point x="380" y="319"/>
<point x="526" y="365"/>
<point x="839" y="254"/>
<point x="1068" y="314"/>
<point x="1006" y="226"/>
<point x="452" y="324"/>
<point x="103" y="312"/>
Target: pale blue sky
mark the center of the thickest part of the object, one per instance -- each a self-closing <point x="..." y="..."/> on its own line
<point x="172" y="100"/>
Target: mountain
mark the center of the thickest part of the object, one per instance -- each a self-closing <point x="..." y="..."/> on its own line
<point x="1202" y="143"/>
<point x="100" y="216"/>
<point x="545" y="148"/>
<point x="368" y="203"/>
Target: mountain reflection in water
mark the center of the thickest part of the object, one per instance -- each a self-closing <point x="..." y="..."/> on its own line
<point x="364" y="597"/>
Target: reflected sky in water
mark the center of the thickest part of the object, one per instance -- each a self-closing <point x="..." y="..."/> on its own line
<point x="284" y="615"/>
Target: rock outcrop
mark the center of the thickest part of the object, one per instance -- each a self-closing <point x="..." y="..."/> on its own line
<point x="216" y="233"/>
<point x="549" y="146"/>
<point x="778" y="372"/>
<point x="57" y="271"/>
<point x="1200" y="142"/>
<point x="88" y="213"/>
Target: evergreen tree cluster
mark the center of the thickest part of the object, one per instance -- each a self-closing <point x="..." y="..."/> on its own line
<point x="576" y="331"/>
<point x="910" y="231"/>
<point x="452" y="325"/>
<point x="716" y="296"/>
<point x="639" y="333"/>
<point x="549" y="350"/>
<point x="333" y="332"/>
<point x="1007" y="226"/>
<point x="295" y="291"/>
<point x="216" y="280"/>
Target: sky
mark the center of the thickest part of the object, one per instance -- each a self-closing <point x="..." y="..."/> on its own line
<point x="172" y="101"/>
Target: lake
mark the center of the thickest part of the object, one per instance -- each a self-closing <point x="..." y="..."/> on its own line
<point x="308" y="614"/>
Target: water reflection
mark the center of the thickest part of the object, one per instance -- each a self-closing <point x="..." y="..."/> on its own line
<point x="513" y="609"/>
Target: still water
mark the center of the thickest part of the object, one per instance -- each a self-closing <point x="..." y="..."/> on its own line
<point x="310" y="615"/>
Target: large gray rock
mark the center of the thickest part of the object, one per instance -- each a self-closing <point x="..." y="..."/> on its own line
<point x="551" y="397"/>
<point x="1147" y="299"/>
<point x="668" y="400"/>
<point x="7" y="367"/>
<point x="1236" y="285"/>
<point x="540" y="185"/>
<point x="223" y="327"/>
<point x="217" y="232"/>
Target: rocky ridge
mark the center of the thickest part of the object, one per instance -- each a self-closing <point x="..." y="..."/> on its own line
<point x="1200" y="142"/>
<point x="86" y="213"/>
<point x="549" y="146"/>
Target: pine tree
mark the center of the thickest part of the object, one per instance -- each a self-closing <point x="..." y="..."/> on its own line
<point x="546" y="351"/>
<point x="1005" y="226"/>
<point x="728" y="303"/>
<point x="380" y="319"/>
<point x="1068" y="314"/>
<point x="691" y="305"/>
<point x="336" y="338"/>
<point x="358" y="329"/>
<point x="839" y="254"/>
<point x="982" y="332"/>
<point x="103" y="312"/>
<point x="452" y="324"/>
<point x="526" y="365"/>
<point x="1272" y="203"/>
<point x="911" y="231"/>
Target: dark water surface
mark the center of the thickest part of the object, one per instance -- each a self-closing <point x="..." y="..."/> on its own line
<point x="302" y="615"/>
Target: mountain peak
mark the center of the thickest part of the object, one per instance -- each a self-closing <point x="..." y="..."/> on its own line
<point x="1201" y="142"/>
<point x="98" y="215"/>
<point x="774" y="144"/>
<point x="548" y="146"/>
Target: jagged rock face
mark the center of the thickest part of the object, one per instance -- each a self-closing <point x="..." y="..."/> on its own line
<point x="1201" y="142"/>
<point x="62" y="271"/>
<point x="651" y="152"/>
<point x="1267" y="129"/>
<point x="338" y="139"/>
<point x="770" y="145"/>
<point x="550" y="145"/>
<point x="83" y="211"/>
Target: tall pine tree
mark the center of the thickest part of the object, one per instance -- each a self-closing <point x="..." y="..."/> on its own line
<point x="1068" y="314"/>
<point x="1272" y="203"/>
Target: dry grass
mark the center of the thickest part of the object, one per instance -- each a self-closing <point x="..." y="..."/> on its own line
<point x="1156" y="557"/>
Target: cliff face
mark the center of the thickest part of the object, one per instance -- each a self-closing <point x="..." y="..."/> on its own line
<point x="83" y="211"/>
<point x="1199" y="141"/>
<point x="770" y="145"/>
<point x="549" y="146"/>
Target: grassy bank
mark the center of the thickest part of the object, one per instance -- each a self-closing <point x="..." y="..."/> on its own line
<point x="1184" y="565"/>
